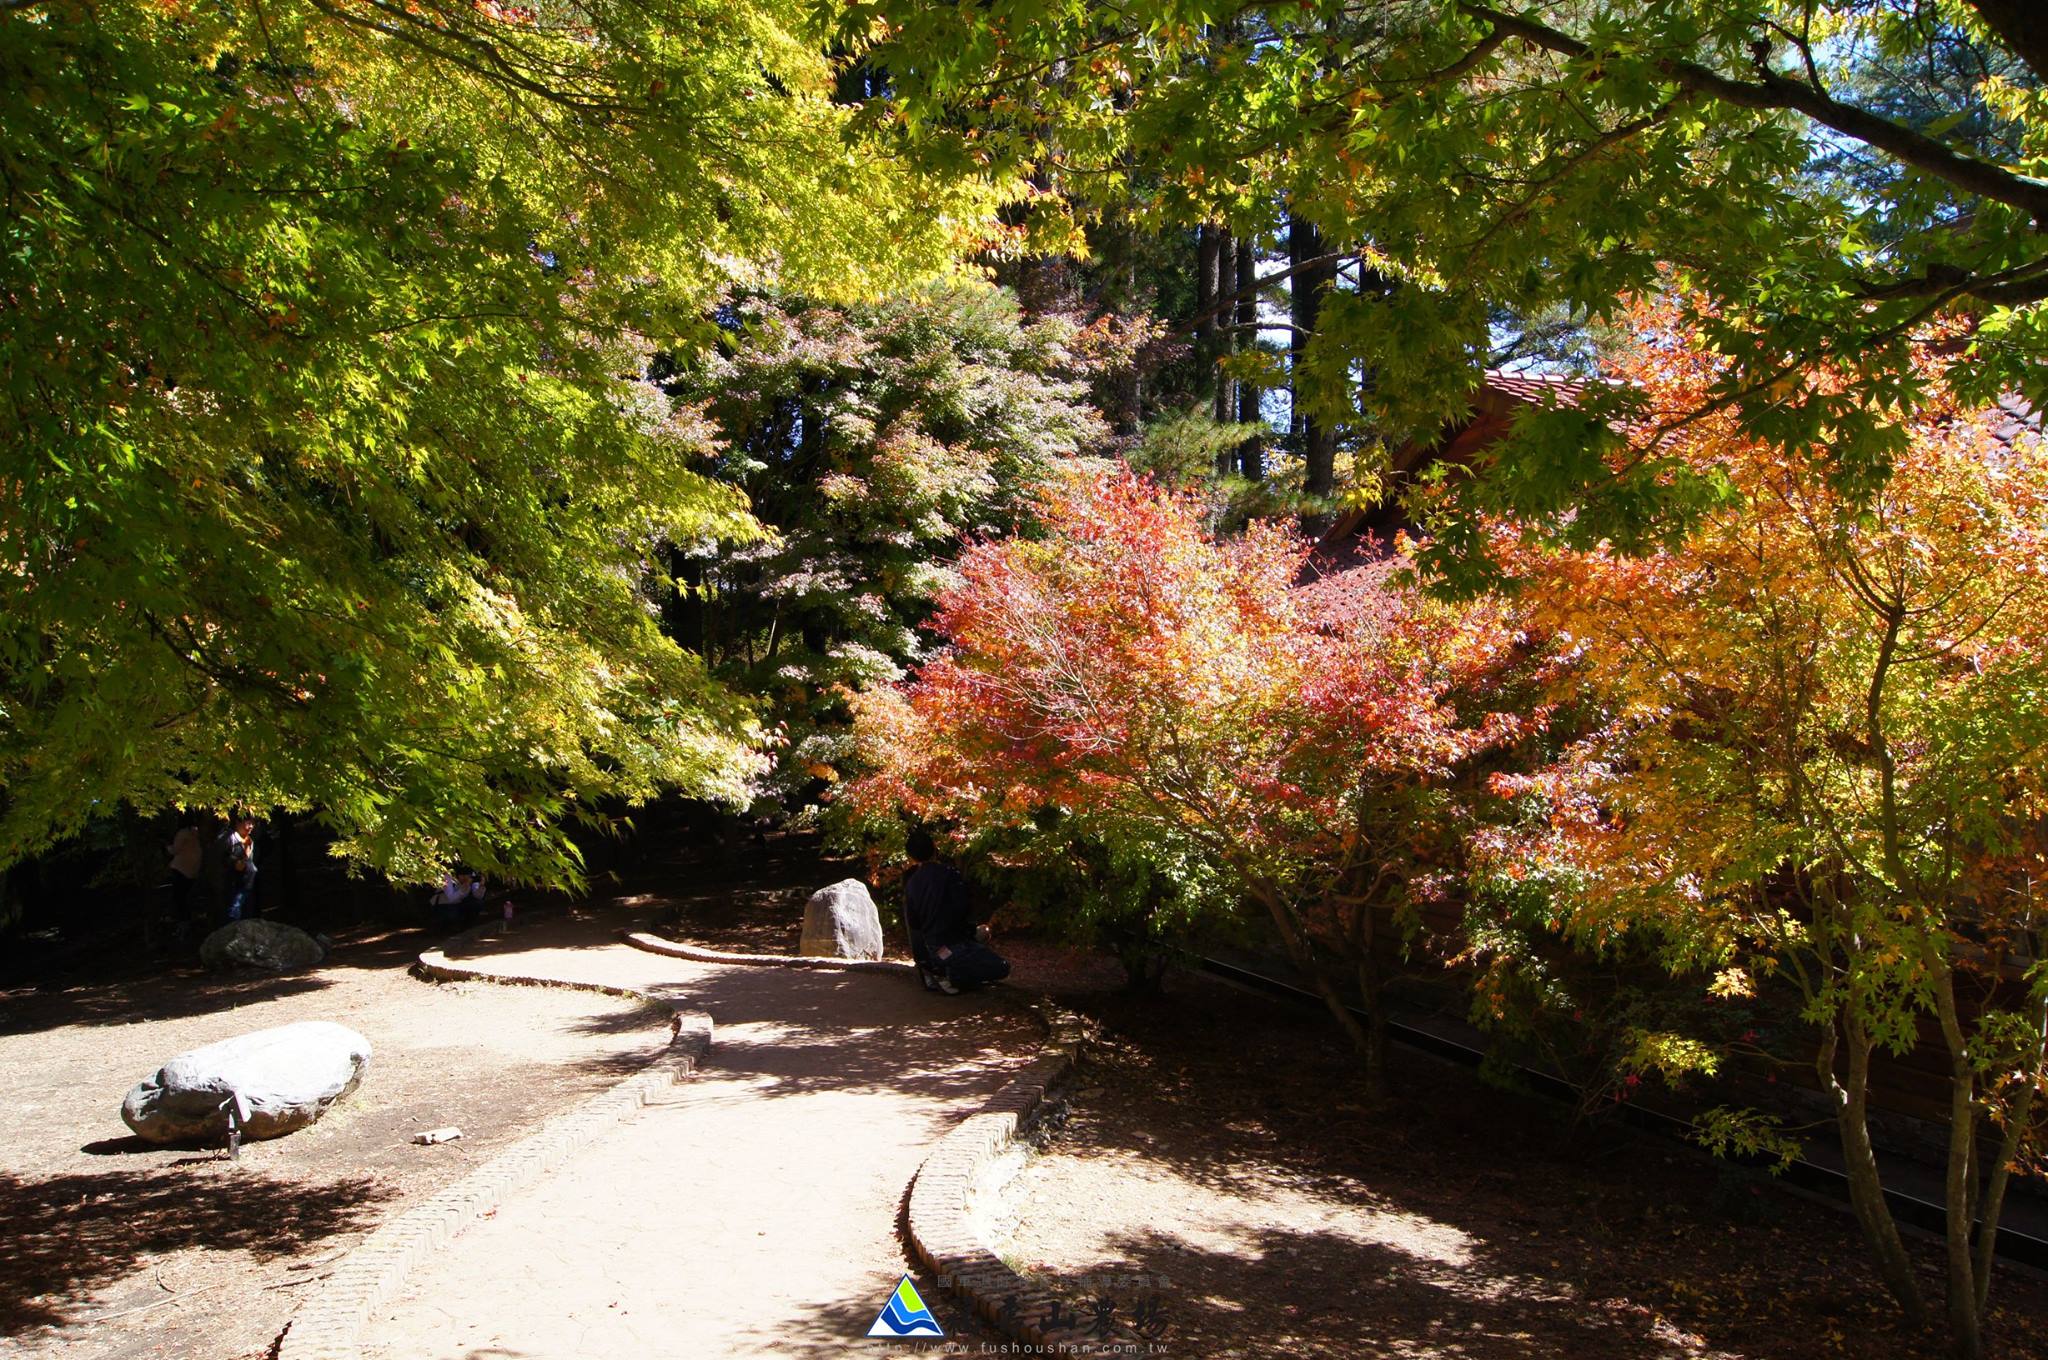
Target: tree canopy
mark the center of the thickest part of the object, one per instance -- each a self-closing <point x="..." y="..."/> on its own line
<point x="1831" y="177"/>
<point x="1132" y="680"/>
<point x="871" y="440"/>
<point x="332" y="477"/>
<point x="460" y="419"/>
<point x="1818" y="766"/>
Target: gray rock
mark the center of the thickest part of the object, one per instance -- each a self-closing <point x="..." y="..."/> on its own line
<point x="266" y="946"/>
<point x="840" y="922"/>
<point x="285" y="1079"/>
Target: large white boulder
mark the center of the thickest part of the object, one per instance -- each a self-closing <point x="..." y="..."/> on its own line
<point x="266" y="946"/>
<point x="285" y="1078"/>
<point x="840" y="922"/>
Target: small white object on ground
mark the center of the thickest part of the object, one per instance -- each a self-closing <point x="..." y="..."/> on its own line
<point x="433" y="1136"/>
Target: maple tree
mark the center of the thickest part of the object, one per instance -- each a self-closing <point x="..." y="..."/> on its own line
<point x="1820" y="764"/>
<point x="330" y="476"/>
<point x="1174" y="696"/>
<point x="869" y="439"/>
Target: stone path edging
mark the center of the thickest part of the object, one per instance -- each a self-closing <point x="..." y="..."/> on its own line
<point x="676" y="949"/>
<point x="940" y="1219"/>
<point x="327" y="1327"/>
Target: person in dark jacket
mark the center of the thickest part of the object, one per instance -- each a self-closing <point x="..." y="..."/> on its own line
<point x="944" y="938"/>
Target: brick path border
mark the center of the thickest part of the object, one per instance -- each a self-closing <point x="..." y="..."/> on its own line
<point x="327" y="1327"/>
<point x="676" y="949"/>
<point x="960" y="1168"/>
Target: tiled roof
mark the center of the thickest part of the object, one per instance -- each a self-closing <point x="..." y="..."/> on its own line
<point x="1538" y="388"/>
<point x="1342" y="577"/>
<point x="2020" y="417"/>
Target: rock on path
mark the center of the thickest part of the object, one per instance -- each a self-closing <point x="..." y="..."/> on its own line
<point x="279" y="1080"/>
<point x="842" y="922"/>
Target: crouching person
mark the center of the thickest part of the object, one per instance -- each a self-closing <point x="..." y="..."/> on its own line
<point x="945" y="939"/>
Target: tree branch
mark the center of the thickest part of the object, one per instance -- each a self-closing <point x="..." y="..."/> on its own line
<point x="1258" y="285"/>
<point x="2007" y="288"/>
<point x="1773" y="91"/>
<point x="2021" y="25"/>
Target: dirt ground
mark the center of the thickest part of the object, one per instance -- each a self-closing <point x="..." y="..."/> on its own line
<point x="1219" y="1179"/>
<point x="753" y="1212"/>
<point x="1217" y="1161"/>
<point x="112" y="1249"/>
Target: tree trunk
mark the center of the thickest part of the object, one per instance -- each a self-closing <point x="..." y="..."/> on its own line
<point x="1363" y="931"/>
<point x="1207" y="252"/>
<point x="1305" y="291"/>
<point x="1304" y="243"/>
<point x="1223" y="406"/>
<point x="1960" y="1185"/>
<point x="1251" y="455"/>
<point x="2016" y="1123"/>
<point x="1993" y="1203"/>
<point x="1372" y="989"/>
<point x="1130" y="420"/>
<point x="1866" y="1189"/>
<point x="1297" y="950"/>
<point x="1208" y="243"/>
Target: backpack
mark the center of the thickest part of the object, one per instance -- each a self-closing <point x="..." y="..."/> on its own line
<point x="974" y="964"/>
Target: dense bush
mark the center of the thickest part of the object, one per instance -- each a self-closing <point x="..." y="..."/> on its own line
<point x="1129" y="680"/>
<point x="870" y="440"/>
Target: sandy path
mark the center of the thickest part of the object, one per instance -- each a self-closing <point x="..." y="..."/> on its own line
<point x="755" y="1214"/>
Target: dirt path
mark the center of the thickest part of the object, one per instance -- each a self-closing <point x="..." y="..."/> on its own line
<point x="112" y="1249"/>
<point x="756" y="1213"/>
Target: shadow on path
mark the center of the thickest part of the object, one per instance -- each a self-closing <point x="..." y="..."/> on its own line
<point x="782" y="1032"/>
<point x="64" y="1236"/>
<point x="755" y="1211"/>
<point x="190" y="991"/>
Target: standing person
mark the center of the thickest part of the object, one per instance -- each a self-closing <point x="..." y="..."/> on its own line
<point x="188" y="855"/>
<point x="241" y="857"/>
<point x="944" y="938"/>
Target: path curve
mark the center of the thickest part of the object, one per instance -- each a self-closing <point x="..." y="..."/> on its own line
<point x="751" y="1212"/>
<point x="329" y="1325"/>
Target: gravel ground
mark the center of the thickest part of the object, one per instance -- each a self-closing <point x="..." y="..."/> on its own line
<point x="114" y="1249"/>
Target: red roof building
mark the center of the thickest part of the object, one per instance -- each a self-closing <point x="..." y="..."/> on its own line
<point x="1352" y="556"/>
